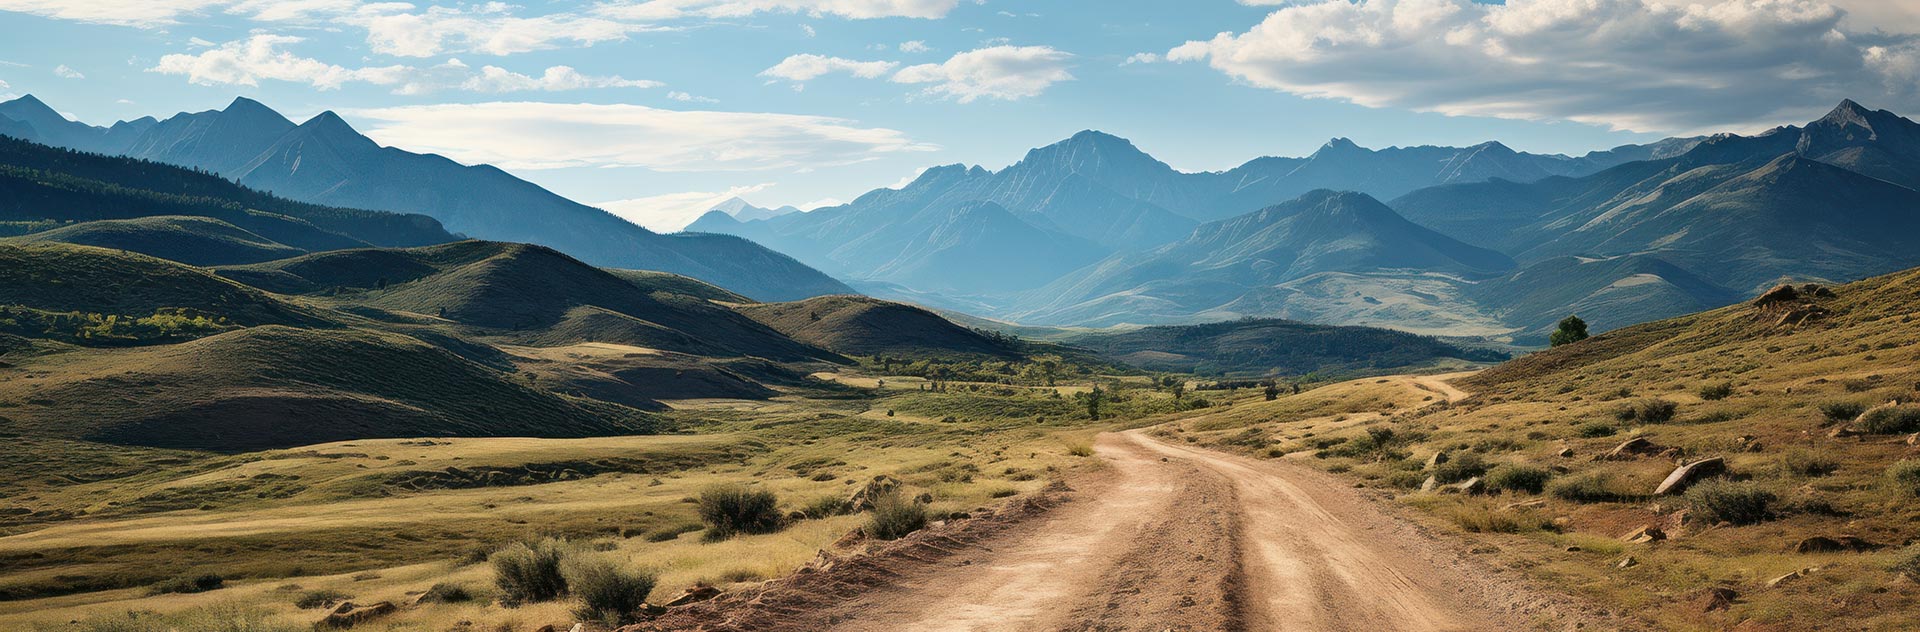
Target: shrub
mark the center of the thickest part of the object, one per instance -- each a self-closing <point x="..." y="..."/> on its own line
<point x="528" y="573"/>
<point x="319" y="599"/>
<point x="1907" y="562"/>
<point x="1483" y="519"/>
<point x="608" y="593"/>
<point x="1731" y="501"/>
<point x="1652" y="410"/>
<point x="1716" y="392"/>
<point x="1515" y="477"/>
<point x="1459" y="468"/>
<point x="729" y="510"/>
<point x="894" y="517"/>
<point x="1595" y="430"/>
<point x="1591" y="487"/>
<point x="827" y="507"/>
<point x="1080" y="448"/>
<point x="1842" y="411"/>
<point x="1905" y="475"/>
<point x="447" y="593"/>
<point x="1890" y="420"/>
<point x="1809" y="463"/>
<point x="186" y="584"/>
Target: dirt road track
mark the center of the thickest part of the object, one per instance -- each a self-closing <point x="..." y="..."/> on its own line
<point x="1180" y="538"/>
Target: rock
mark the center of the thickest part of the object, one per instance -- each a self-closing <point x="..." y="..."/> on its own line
<point x="1834" y="544"/>
<point x="851" y="539"/>
<point x="1564" y="453"/>
<point x="862" y="499"/>
<point x="1789" y="577"/>
<point x="1627" y="562"/>
<point x="1471" y="486"/>
<point x="546" y="628"/>
<point x="1438" y="459"/>
<point x="1645" y="535"/>
<point x="1777" y="295"/>
<point x="1814" y="290"/>
<point x="578" y="627"/>
<point x="1686" y="475"/>
<point x="1526" y="504"/>
<point x="1716" y="598"/>
<point x="347" y="615"/>
<point x="1429" y="484"/>
<point x="696" y="594"/>
<point x="1631" y="448"/>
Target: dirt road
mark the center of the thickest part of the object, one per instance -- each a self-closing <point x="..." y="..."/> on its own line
<point x="1176" y="538"/>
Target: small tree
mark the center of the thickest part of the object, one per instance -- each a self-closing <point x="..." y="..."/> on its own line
<point x="1571" y="330"/>
<point x="1273" y="392"/>
<point x="1093" y="398"/>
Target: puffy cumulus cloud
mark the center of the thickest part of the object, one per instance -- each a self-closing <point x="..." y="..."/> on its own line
<point x="855" y="9"/>
<point x="673" y="211"/>
<point x="65" y="72"/>
<point x="398" y="29"/>
<point x="246" y="62"/>
<point x="807" y="67"/>
<point x="687" y="97"/>
<point x="1644" y="65"/>
<point x="999" y="72"/>
<point x="141" y="13"/>
<point x="521" y="135"/>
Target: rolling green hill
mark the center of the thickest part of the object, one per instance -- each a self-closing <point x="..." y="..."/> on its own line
<point x="1270" y="347"/>
<point x="81" y="281"/>
<point x="200" y="241"/>
<point x="857" y="325"/>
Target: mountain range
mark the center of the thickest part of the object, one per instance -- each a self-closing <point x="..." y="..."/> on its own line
<point x="325" y="161"/>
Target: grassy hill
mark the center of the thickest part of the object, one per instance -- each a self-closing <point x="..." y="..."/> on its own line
<point x="857" y="325"/>
<point x="1266" y="347"/>
<point x="201" y="241"/>
<point x="1790" y="393"/>
<point x="49" y="288"/>
<point x="654" y="281"/>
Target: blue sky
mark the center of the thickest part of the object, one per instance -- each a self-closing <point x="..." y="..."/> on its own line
<point x="657" y="107"/>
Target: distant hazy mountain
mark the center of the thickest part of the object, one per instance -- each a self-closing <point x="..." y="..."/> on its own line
<point x="325" y="161"/>
<point x="741" y="210"/>
<point x="1222" y="263"/>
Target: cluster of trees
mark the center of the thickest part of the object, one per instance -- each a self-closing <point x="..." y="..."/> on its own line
<point x="167" y="324"/>
<point x="1046" y="370"/>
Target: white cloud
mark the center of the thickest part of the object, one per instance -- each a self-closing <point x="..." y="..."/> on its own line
<point x="396" y="29"/>
<point x="999" y="72"/>
<point x="198" y="43"/>
<point x="855" y="9"/>
<point x="65" y="72"/>
<point x="689" y="98"/>
<point x="803" y="68"/>
<point x="141" y="13"/>
<point x="1142" y="58"/>
<point x="497" y="79"/>
<point x="519" y="135"/>
<point x="673" y="211"/>
<point x="246" y="62"/>
<point x="915" y="46"/>
<point x="1645" y="65"/>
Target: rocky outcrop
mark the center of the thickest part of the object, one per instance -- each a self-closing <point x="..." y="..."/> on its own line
<point x="347" y="614"/>
<point x="1686" y="475"/>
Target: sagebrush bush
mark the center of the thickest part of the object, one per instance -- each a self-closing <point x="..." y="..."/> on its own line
<point x="1905" y="476"/>
<point x="895" y="516"/>
<point x="1842" y="411"/>
<point x="1595" y="430"/>
<point x="1080" y="448"/>
<point x="1459" y="468"/>
<point x="730" y="510"/>
<point x="1716" y="392"/>
<point x="186" y="584"/>
<point x="1737" y="502"/>
<point x="1809" y="463"/>
<point x="531" y="573"/>
<point x="1652" y="410"/>
<point x="319" y="599"/>
<point x="1590" y="487"/>
<point x="608" y="592"/>
<point x="1481" y="519"/>
<point x="1890" y="420"/>
<point x="1516" y="477"/>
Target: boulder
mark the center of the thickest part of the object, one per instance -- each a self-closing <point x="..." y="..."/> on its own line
<point x="1790" y="577"/>
<point x="1777" y="295"/>
<point x="695" y="594"/>
<point x="1564" y="453"/>
<point x="1834" y="544"/>
<point x="347" y="615"/>
<point x="1438" y="459"/>
<point x="1716" y="598"/>
<point x="862" y="499"/>
<point x="1626" y="563"/>
<point x="1470" y="486"/>
<point x="1686" y="475"/>
<point x="1429" y="484"/>
<point x="1631" y="448"/>
<point x="1645" y="535"/>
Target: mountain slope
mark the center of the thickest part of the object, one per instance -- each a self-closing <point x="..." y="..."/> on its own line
<point x="200" y="241"/>
<point x="324" y="161"/>
<point x="857" y="325"/>
<point x="1222" y="262"/>
<point x="1269" y="347"/>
